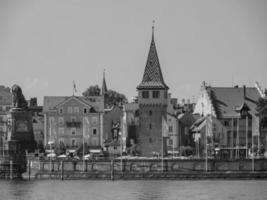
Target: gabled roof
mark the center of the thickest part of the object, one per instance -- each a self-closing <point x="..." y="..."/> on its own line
<point x="227" y="100"/>
<point x="53" y="102"/>
<point x="81" y="100"/>
<point x="152" y="78"/>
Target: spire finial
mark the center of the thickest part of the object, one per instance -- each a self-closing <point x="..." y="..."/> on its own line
<point x="153" y="27"/>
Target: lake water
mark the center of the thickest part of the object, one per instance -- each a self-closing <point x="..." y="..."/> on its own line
<point x="133" y="190"/>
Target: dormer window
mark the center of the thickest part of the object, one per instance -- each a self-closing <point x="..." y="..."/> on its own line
<point x="155" y="94"/>
<point x="60" y="110"/>
<point x="145" y="94"/>
<point x="85" y="111"/>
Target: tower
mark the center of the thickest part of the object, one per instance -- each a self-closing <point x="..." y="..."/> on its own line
<point x="152" y="100"/>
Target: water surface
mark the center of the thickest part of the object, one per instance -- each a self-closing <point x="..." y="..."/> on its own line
<point x="133" y="190"/>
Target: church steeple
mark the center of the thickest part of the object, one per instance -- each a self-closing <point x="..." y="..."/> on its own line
<point x="152" y="78"/>
<point x="104" y="85"/>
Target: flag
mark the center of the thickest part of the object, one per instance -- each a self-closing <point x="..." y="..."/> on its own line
<point x="164" y="127"/>
<point x="85" y="127"/>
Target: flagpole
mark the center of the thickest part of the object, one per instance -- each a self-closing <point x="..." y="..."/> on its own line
<point x="83" y="144"/>
<point x="247" y="136"/>
<point x="162" y="133"/>
<point x="206" y="144"/>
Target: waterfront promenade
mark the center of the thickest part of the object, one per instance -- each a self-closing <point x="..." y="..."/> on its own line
<point x="147" y="169"/>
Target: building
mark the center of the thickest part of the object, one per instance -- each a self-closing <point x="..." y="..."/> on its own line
<point x="73" y="120"/>
<point x="112" y="129"/>
<point x="131" y="126"/>
<point x="37" y="121"/>
<point x="152" y="102"/>
<point x="235" y="107"/>
<point x="5" y="105"/>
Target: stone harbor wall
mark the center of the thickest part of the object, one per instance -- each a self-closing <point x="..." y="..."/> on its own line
<point x="146" y="169"/>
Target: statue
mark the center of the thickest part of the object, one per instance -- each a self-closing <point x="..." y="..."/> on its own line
<point x="18" y="98"/>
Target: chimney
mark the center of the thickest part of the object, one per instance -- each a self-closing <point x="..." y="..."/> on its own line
<point x="244" y="91"/>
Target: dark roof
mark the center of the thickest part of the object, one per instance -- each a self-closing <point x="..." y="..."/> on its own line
<point x="152" y="78"/>
<point x="227" y="100"/>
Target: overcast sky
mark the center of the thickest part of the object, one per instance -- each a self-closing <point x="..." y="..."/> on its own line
<point x="45" y="45"/>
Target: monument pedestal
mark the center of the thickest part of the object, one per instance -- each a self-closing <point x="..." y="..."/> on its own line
<point x="20" y="137"/>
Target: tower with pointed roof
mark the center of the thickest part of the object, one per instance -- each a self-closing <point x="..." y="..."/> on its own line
<point x="104" y="85"/>
<point x="152" y="100"/>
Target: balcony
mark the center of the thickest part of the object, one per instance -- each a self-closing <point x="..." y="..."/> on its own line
<point x="73" y="124"/>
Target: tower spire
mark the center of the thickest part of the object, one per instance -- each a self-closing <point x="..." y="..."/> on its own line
<point x="152" y="78"/>
<point x="104" y="85"/>
<point x="153" y="27"/>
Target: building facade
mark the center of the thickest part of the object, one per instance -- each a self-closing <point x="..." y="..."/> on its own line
<point x="73" y="120"/>
<point x="5" y="105"/>
<point x="152" y="101"/>
<point x="235" y="107"/>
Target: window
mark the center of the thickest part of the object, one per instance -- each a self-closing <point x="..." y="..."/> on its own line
<point x="94" y="131"/>
<point x="150" y="126"/>
<point x="51" y="121"/>
<point x="61" y="131"/>
<point x="61" y="121"/>
<point x="170" y="129"/>
<point x="60" y="110"/>
<point x="115" y="148"/>
<point x="94" y="120"/>
<point x="150" y="112"/>
<point x="84" y="110"/>
<point x="226" y="123"/>
<point x="69" y="109"/>
<point x="73" y="131"/>
<point x="150" y="140"/>
<point x="170" y="142"/>
<point x="76" y="109"/>
<point x="145" y="94"/>
<point x="155" y="94"/>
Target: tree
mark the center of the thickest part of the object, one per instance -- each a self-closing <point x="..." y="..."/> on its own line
<point x="93" y="90"/>
<point x="112" y="97"/>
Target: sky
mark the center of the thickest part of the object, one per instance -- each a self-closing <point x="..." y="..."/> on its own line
<point x="45" y="45"/>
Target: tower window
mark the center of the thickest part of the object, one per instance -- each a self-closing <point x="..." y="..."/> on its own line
<point x="150" y="113"/>
<point x="145" y="94"/>
<point x="94" y="131"/>
<point x="155" y="94"/>
<point x="150" y="126"/>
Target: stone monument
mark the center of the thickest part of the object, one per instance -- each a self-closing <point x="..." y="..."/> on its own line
<point x="20" y="136"/>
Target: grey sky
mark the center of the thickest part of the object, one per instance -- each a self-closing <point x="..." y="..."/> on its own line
<point x="44" y="45"/>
